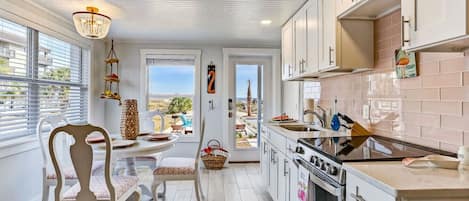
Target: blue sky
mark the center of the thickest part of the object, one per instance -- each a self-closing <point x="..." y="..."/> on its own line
<point x="243" y="74"/>
<point x="171" y="80"/>
<point x="180" y="80"/>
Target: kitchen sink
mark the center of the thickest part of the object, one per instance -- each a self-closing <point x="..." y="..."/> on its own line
<point x="299" y="128"/>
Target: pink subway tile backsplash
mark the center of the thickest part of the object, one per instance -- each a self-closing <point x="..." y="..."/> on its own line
<point x="455" y="94"/>
<point x="449" y="136"/>
<point x="452" y="65"/>
<point x="442" y="80"/>
<point x="447" y="108"/>
<point x="431" y="109"/>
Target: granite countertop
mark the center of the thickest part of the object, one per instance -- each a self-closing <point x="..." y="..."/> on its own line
<point x="400" y="181"/>
<point x="295" y="135"/>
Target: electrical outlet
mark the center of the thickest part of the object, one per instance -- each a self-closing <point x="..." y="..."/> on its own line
<point x="366" y="112"/>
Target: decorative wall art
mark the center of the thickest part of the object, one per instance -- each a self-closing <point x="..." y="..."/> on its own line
<point x="406" y="64"/>
<point x="211" y="75"/>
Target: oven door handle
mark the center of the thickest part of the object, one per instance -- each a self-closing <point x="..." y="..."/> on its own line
<point x="324" y="185"/>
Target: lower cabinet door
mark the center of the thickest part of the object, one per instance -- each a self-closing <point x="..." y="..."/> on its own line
<point x="265" y="162"/>
<point x="273" y="173"/>
<point x="283" y="178"/>
<point x="293" y="181"/>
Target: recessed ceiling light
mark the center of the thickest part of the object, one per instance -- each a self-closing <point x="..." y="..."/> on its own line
<point x="266" y="22"/>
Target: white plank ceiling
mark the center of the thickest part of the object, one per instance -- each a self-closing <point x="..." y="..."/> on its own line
<point x="213" y="21"/>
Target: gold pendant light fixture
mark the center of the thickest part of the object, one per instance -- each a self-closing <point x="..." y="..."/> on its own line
<point x="91" y="24"/>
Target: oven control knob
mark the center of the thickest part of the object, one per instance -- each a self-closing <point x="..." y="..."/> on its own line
<point x="314" y="159"/>
<point x="327" y="167"/>
<point x="300" y="150"/>
<point x="332" y="171"/>
<point x="320" y="164"/>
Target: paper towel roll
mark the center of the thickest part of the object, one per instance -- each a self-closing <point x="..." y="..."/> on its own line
<point x="308" y="105"/>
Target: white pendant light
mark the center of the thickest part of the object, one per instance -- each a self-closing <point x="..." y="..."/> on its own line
<point x="91" y="24"/>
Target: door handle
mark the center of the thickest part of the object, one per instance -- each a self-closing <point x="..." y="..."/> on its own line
<point x="403" y="22"/>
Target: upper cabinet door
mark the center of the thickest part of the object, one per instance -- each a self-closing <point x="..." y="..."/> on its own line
<point x="427" y="22"/>
<point x="287" y="50"/>
<point x="312" y="18"/>
<point x="327" y="34"/>
<point x="299" y="24"/>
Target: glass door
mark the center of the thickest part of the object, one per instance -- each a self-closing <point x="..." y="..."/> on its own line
<point x="246" y="92"/>
<point x="248" y="102"/>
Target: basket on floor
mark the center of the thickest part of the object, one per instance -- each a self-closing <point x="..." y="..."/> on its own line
<point x="214" y="156"/>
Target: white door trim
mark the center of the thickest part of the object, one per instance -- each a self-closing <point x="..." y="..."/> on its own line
<point x="275" y="77"/>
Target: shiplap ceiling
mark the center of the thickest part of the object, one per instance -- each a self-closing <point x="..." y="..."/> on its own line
<point x="223" y="21"/>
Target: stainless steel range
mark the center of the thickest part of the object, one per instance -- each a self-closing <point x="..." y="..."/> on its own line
<point x="323" y="157"/>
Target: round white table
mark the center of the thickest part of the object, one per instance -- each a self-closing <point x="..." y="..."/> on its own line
<point x="142" y="147"/>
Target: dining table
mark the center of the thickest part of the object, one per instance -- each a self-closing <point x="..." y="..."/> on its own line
<point x="140" y="147"/>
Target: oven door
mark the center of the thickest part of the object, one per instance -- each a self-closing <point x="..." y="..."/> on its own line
<point x="321" y="187"/>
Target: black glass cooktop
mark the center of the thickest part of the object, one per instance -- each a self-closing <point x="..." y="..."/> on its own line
<point x="367" y="148"/>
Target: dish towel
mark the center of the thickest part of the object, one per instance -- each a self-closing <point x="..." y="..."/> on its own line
<point x="303" y="181"/>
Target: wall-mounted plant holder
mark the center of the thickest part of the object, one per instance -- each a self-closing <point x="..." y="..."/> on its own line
<point x="111" y="79"/>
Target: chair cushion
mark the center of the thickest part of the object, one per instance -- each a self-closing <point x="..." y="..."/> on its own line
<point x="69" y="172"/>
<point x="121" y="184"/>
<point x="175" y="166"/>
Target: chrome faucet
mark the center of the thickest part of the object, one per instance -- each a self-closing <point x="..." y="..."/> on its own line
<point x="322" y="118"/>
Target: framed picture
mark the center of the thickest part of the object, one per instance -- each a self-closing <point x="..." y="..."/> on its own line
<point x="406" y="64"/>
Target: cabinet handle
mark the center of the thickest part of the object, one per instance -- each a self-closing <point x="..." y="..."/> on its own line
<point x="356" y="196"/>
<point x="330" y="55"/>
<point x="289" y="71"/>
<point x="285" y="164"/>
<point x="265" y="147"/>
<point x="403" y="22"/>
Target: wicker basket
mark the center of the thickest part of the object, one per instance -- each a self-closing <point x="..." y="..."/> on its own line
<point x="215" y="160"/>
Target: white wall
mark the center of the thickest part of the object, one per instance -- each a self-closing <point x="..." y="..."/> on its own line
<point x="129" y="64"/>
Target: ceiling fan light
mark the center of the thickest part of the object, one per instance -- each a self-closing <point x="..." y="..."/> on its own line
<point x="91" y="24"/>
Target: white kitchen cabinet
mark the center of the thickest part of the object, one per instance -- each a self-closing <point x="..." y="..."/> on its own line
<point x="327" y="34"/>
<point x="265" y="151"/>
<point x="283" y="178"/>
<point x="279" y="173"/>
<point x="332" y="47"/>
<point x="365" y="9"/>
<point x="299" y="24"/>
<point x="312" y="19"/>
<point x="435" y="24"/>
<point x="288" y="56"/>
<point x="293" y="181"/>
<point x="359" y="190"/>
<point x="273" y="172"/>
<point x="343" y="5"/>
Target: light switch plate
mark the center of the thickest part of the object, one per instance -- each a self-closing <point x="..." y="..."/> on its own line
<point x="366" y="112"/>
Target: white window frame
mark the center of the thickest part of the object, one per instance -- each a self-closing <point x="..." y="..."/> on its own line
<point x="144" y="72"/>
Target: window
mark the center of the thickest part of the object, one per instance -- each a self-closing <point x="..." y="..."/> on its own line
<point x="54" y="82"/>
<point x="172" y="86"/>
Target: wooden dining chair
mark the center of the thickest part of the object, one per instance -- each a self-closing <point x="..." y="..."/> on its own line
<point x="49" y="178"/>
<point x="177" y="169"/>
<point x="89" y="188"/>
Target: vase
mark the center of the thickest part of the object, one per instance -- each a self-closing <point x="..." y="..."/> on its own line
<point x="129" y="120"/>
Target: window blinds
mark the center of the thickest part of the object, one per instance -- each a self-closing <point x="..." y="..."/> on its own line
<point x="170" y="60"/>
<point x="53" y="81"/>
